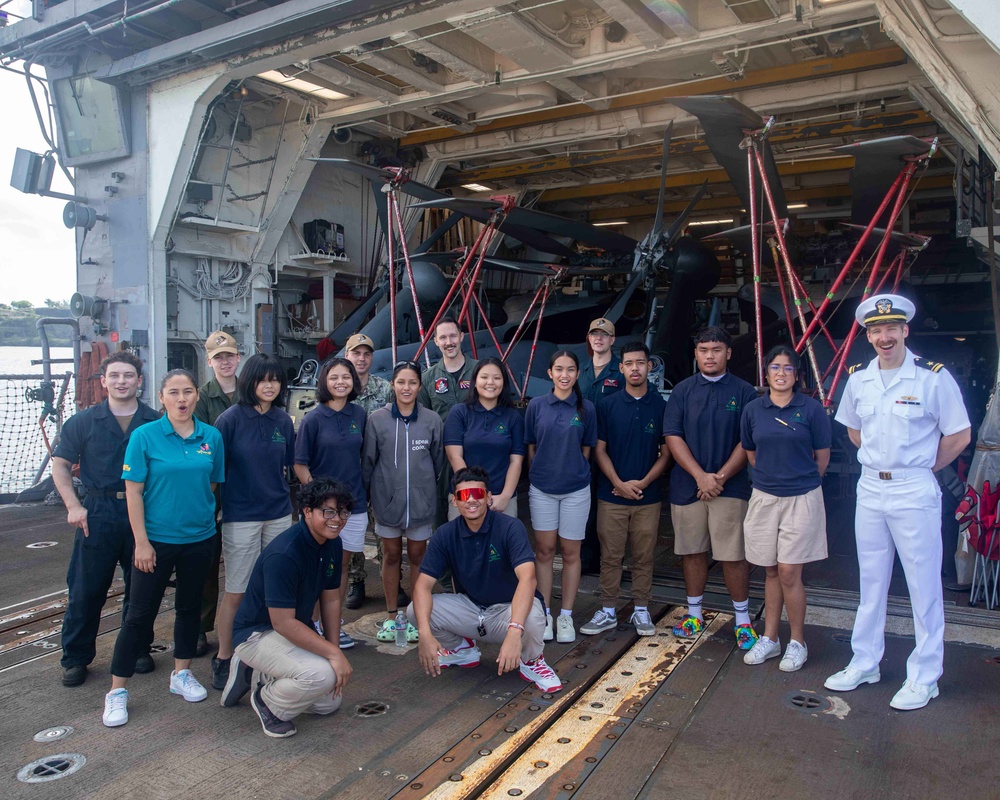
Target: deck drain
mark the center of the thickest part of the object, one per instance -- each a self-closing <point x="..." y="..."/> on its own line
<point x="841" y="637"/>
<point x="51" y="768"/>
<point x="40" y="545"/>
<point x="160" y="647"/>
<point x="372" y="708"/>
<point x="53" y="734"/>
<point x="810" y="703"/>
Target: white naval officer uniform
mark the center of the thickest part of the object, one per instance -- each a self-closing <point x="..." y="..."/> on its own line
<point x="899" y="502"/>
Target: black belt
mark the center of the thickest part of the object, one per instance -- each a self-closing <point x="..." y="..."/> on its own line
<point x="106" y="493"/>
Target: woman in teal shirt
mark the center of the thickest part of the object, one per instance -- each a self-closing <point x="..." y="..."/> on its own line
<point x="171" y="469"/>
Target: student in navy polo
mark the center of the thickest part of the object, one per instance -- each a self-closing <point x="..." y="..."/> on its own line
<point x="709" y="487"/>
<point x="299" y="670"/>
<point x="495" y="600"/>
<point x="631" y="455"/>
<point x="560" y="428"/>
<point x="787" y="438"/>
<point x="170" y="471"/>
<point x="329" y="445"/>
<point x="487" y="430"/>
<point x="260" y="447"/>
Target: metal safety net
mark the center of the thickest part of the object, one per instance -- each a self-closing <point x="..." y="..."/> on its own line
<point x="31" y="416"/>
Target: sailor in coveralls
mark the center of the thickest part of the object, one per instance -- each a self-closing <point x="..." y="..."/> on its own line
<point x="907" y="417"/>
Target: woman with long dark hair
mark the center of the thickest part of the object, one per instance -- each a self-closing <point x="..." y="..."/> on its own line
<point x="787" y="438"/>
<point x="259" y="438"/>
<point x="329" y="445"/>
<point x="560" y="429"/>
<point x="487" y="431"/>
<point x="171" y="470"/>
<point x="401" y="462"/>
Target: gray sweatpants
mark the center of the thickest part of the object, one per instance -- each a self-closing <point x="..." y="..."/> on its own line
<point x="455" y="616"/>
<point x="294" y="680"/>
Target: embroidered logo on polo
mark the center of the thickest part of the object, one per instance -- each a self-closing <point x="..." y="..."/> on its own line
<point x="494" y="555"/>
<point x="464" y="384"/>
<point x="278" y="436"/>
<point x="205" y="449"/>
<point x="576" y="421"/>
<point x="330" y="568"/>
<point x="126" y="468"/>
<point x="650" y="428"/>
<point x="502" y="429"/>
<point x="354" y="427"/>
<point x="732" y="405"/>
<point x="797" y="417"/>
<point x="440" y="386"/>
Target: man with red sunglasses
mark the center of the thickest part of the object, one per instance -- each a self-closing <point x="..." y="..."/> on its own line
<point x="495" y="600"/>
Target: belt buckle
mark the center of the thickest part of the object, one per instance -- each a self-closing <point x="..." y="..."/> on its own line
<point x="885" y="476"/>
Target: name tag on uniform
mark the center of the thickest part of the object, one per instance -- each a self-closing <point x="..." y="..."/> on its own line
<point x="440" y="386"/>
<point x="610" y="383"/>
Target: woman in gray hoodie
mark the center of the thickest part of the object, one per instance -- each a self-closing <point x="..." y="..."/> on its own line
<point x="401" y="460"/>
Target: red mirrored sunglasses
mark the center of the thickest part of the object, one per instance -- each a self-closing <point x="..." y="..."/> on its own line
<point x="472" y="493"/>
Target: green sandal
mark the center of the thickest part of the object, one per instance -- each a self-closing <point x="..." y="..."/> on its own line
<point x="387" y="633"/>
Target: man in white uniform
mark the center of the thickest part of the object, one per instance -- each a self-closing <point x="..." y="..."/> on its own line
<point x="907" y="417"/>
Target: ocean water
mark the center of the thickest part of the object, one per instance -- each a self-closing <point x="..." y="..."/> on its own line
<point x="22" y="440"/>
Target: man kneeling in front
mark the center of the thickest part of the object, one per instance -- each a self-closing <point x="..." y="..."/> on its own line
<point x="297" y="670"/>
<point x="496" y="599"/>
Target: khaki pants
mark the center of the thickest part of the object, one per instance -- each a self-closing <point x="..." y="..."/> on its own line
<point x="294" y="680"/>
<point x="618" y="526"/>
<point x="455" y="616"/>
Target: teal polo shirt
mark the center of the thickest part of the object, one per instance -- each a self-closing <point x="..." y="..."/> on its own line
<point x="177" y="473"/>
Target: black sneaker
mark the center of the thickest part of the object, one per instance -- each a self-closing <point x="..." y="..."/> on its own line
<point x="355" y="596"/>
<point x="220" y="672"/>
<point x="75" y="675"/>
<point x="273" y="727"/>
<point x="238" y="682"/>
<point x="201" y="648"/>
<point x="144" y="664"/>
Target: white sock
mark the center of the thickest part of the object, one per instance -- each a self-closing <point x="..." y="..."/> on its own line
<point x="565" y="613"/>
<point x="548" y="611"/>
<point x="609" y="611"/>
<point x="742" y="612"/>
<point x="694" y="607"/>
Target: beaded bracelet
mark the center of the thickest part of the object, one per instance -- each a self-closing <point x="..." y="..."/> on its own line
<point x="516" y="625"/>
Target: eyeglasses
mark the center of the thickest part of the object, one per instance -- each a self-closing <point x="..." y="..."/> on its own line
<point x="333" y="513"/>
<point x="774" y="369"/>
<point x="472" y="493"/>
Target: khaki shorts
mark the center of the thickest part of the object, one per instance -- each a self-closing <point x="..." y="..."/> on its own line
<point x="715" y="525"/>
<point x="242" y="543"/>
<point x="785" y="530"/>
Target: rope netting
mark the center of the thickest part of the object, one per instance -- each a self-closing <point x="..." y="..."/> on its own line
<point x="23" y="447"/>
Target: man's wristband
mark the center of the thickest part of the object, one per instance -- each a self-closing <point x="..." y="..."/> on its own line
<point x="516" y="625"/>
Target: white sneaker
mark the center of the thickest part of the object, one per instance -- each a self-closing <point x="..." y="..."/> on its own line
<point x="601" y="621"/>
<point x="849" y="679"/>
<point x="565" y="632"/>
<point x="795" y="656"/>
<point x="547" y="635"/>
<point x="186" y="685"/>
<point x="466" y="656"/>
<point x="116" y="708"/>
<point x="913" y="696"/>
<point x="643" y="623"/>
<point x="762" y="650"/>
<point x="540" y="674"/>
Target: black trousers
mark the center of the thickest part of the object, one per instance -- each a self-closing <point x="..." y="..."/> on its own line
<point x="192" y="562"/>
<point x="91" y="571"/>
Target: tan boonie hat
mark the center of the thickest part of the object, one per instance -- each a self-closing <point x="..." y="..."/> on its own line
<point x="221" y="342"/>
<point x="359" y="340"/>
<point x="602" y="324"/>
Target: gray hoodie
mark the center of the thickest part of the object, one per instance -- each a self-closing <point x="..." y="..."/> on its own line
<point x="400" y="464"/>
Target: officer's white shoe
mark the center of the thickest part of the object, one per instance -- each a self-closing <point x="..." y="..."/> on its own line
<point x="913" y="696"/>
<point x="849" y="679"/>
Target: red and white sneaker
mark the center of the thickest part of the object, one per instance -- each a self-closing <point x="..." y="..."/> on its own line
<point x="467" y="656"/>
<point x="541" y="674"/>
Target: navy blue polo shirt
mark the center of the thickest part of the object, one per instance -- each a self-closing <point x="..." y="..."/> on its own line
<point x="481" y="562"/>
<point x="93" y="439"/>
<point x="488" y="438"/>
<point x="178" y="473"/>
<point x="785" y="465"/>
<point x="706" y="415"/>
<point x="632" y="429"/>
<point x="258" y="449"/>
<point x="329" y="443"/>
<point x="556" y="429"/>
<point x="605" y="383"/>
<point x="292" y="572"/>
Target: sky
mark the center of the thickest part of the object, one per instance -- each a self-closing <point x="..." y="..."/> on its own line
<point x="37" y="259"/>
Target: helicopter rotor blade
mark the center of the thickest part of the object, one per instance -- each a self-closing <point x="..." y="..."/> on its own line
<point x="658" y="221"/>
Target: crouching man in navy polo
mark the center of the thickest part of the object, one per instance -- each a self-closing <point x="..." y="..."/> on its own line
<point x="496" y="598"/>
<point x="906" y="416"/>
<point x="296" y="669"/>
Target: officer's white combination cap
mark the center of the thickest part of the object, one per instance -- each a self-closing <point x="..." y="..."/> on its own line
<point x="884" y="308"/>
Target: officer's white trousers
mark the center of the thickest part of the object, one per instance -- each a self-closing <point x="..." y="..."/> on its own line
<point x="901" y="516"/>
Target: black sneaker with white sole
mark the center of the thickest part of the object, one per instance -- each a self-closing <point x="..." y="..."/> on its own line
<point x="220" y="672"/>
<point x="273" y="727"/>
<point x="238" y="683"/>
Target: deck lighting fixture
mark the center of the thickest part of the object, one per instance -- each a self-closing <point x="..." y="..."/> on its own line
<point x="613" y="224"/>
<point x="301" y="85"/>
<point x="476" y="187"/>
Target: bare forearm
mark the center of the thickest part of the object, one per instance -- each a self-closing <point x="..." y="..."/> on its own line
<point x="422" y="603"/>
<point x="302" y="473"/>
<point x="62" y="477"/>
<point x="304" y="636"/>
<point x="520" y="604"/>
<point x="658" y="468"/>
<point x="950" y="446"/>
<point x="736" y="461"/>
<point x="136" y="511"/>
<point x="684" y="457"/>
<point x="513" y="476"/>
